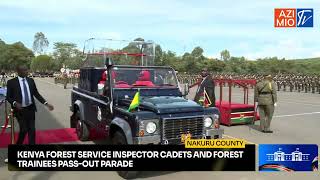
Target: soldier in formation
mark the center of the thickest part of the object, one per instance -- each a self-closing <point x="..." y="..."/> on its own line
<point x="3" y="80"/>
<point x="65" y="79"/>
<point x="284" y="82"/>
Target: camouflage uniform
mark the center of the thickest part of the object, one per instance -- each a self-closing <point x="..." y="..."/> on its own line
<point x="266" y="97"/>
<point x="65" y="80"/>
<point x="3" y="81"/>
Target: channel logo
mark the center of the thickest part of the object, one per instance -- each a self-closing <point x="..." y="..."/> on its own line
<point x="291" y="17"/>
<point x="288" y="157"/>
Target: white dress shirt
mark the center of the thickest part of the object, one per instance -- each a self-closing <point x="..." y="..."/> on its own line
<point x="22" y="91"/>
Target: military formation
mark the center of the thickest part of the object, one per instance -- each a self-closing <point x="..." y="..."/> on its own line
<point x="284" y="82"/>
<point x="66" y="78"/>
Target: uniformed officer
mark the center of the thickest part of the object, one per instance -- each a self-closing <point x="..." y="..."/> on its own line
<point x="65" y="79"/>
<point x="3" y="80"/>
<point x="266" y="96"/>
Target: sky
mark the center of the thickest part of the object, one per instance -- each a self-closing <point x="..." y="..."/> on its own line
<point x="244" y="27"/>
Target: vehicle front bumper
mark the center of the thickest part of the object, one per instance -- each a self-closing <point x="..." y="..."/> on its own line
<point x="156" y="139"/>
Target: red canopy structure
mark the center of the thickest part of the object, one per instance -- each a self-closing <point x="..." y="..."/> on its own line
<point x="236" y="113"/>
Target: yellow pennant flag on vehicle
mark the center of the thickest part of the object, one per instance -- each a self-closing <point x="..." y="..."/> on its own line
<point x="135" y="102"/>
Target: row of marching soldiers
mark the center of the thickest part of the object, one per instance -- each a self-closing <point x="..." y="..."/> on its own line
<point x="298" y="83"/>
<point x="284" y="82"/>
<point x="67" y="78"/>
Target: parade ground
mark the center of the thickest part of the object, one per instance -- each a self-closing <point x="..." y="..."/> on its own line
<point x="296" y="120"/>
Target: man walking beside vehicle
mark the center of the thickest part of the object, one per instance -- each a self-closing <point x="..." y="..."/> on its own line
<point x="266" y="96"/>
<point x="20" y="94"/>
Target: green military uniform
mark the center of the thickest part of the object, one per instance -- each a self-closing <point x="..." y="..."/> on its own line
<point x="266" y="96"/>
<point x="65" y="80"/>
<point x="3" y="82"/>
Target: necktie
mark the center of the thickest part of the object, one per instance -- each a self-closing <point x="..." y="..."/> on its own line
<point x="25" y="90"/>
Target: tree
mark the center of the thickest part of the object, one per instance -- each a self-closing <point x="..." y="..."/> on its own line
<point x="42" y="63"/>
<point x="75" y="62"/>
<point x="225" y="55"/>
<point x="214" y="65"/>
<point x="158" y="55"/>
<point x="139" y="39"/>
<point x="197" y="52"/>
<point x="64" y="53"/>
<point x="13" y="54"/>
<point x="190" y="63"/>
<point x="40" y="43"/>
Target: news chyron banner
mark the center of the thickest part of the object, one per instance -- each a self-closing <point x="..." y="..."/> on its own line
<point x="288" y="157"/>
<point x="195" y="155"/>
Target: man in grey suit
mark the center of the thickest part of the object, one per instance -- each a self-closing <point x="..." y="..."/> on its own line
<point x="266" y="96"/>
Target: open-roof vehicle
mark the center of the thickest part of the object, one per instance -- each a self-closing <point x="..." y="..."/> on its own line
<point x="100" y="103"/>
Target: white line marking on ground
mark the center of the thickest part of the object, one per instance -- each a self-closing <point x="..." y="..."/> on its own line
<point x="301" y="114"/>
<point x="301" y="103"/>
<point x="238" y="138"/>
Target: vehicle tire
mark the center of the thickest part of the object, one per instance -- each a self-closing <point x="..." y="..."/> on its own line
<point x="73" y="120"/>
<point x="81" y="128"/>
<point x="119" y="139"/>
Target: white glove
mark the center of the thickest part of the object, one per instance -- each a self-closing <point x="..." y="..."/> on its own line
<point x="275" y="104"/>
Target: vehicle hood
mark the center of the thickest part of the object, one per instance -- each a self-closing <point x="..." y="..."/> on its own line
<point x="169" y="104"/>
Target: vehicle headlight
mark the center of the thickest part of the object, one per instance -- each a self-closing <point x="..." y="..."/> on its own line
<point x="207" y="122"/>
<point x="151" y="127"/>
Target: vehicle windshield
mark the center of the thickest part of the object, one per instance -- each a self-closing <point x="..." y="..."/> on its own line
<point x="125" y="77"/>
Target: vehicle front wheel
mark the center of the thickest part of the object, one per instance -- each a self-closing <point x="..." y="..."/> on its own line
<point x="81" y="128"/>
<point x="119" y="139"/>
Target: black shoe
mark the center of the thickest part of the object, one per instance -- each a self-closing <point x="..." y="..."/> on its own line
<point x="269" y="131"/>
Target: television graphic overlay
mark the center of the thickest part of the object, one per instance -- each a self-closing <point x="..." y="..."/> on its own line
<point x="288" y="157"/>
<point x="291" y="17"/>
<point x="304" y="17"/>
<point x="129" y="158"/>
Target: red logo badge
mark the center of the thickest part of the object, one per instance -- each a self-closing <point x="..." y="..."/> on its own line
<point x="285" y="17"/>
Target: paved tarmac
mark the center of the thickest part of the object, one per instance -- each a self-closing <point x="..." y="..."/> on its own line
<point x="296" y="120"/>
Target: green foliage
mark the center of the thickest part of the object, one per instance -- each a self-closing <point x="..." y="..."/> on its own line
<point x="158" y="55"/>
<point x="42" y="63"/>
<point x="13" y="54"/>
<point x="225" y="55"/>
<point x="190" y="62"/>
<point x="40" y="43"/>
<point x="66" y="54"/>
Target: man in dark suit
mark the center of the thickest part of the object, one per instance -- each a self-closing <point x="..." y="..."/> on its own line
<point x="20" y="94"/>
<point x="207" y="84"/>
